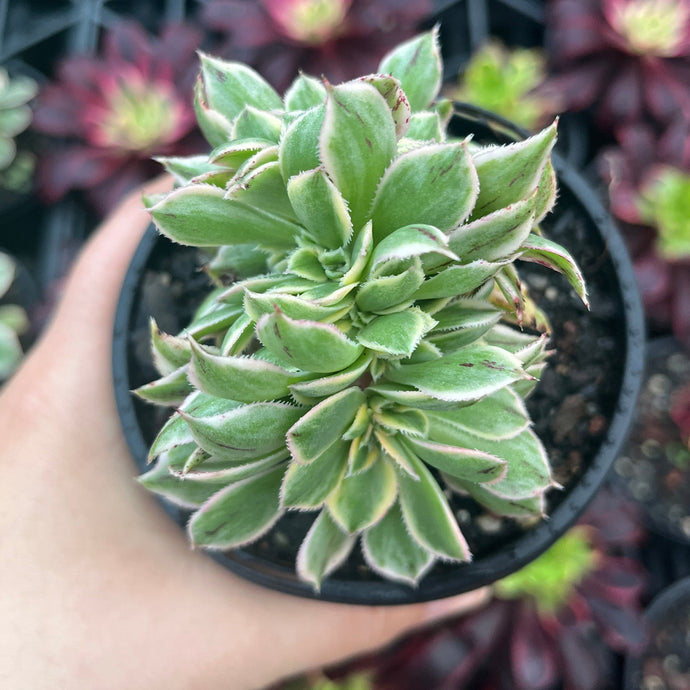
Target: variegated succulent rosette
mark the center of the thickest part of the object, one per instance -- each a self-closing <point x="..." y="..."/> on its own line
<point x="363" y="354"/>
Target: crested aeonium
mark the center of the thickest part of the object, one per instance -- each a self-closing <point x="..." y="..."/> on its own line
<point x="360" y="363"/>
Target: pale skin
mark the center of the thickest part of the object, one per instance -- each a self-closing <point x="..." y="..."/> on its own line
<point x="98" y="588"/>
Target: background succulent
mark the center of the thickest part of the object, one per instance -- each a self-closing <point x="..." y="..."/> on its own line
<point x="505" y="81"/>
<point x="13" y="322"/>
<point x="629" y="59"/>
<point x="15" y="116"/>
<point x="116" y="111"/>
<point x="339" y="39"/>
<point x="367" y="362"/>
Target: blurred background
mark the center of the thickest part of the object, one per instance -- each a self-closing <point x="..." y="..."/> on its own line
<point x="92" y="90"/>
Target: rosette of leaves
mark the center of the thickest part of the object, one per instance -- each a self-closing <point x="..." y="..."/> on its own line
<point x="13" y="322"/>
<point x="505" y="81"/>
<point x="366" y="366"/>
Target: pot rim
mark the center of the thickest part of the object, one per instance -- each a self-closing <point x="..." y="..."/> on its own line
<point x="506" y="560"/>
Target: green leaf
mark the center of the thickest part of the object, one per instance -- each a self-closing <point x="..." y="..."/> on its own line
<point x="323" y="425"/>
<point x="320" y="207"/>
<point x="238" y="378"/>
<point x="466" y="463"/>
<point x="253" y="123"/>
<point x="496" y="235"/>
<point x="328" y="385"/>
<point x="10" y="351"/>
<point x="425" y="126"/>
<point x="399" y="453"/>
<point x="307" y="486"/>
<point x="216" y="128"/>
<point x="428" y="517"/>
<point x="392" y="553"/>
<point x="213" y="321"/>
<point x="408" y="421"/>
<point x="257" y="305"/>
<point x="384" y="293"/>
<point x="411" y="241"/>
<point x="516" y="508"/>
<point x="357" y="143"/>
<point x="233" y="154"/>
<point x="184" y="168"/>
<point x="169" y="352"/>
<point x="510" y="173"/>
<point x="462" y="323"/>
<point x="14" y="317"/>
<point x="467" y="374"/>
<point x="551" y="254"/>
<point x="408" y="396"/>
<point x="323" y="550"/>
<point x="180" y="492"/>
<point x="458" y="280"/>
<point x="396" y="334"/>
<point x="244" y="433"/>
<point x="230" y="86"/>
<point x="6" y="273"/>
<point x="499" y="416"/>
<point x="299" y="146"/>
<point x="238" y="336"/>
<point x="307" y="345"/>
<point x="200" y="216"/>
<point x="433" y="185"/>
<point x="262" y="188"/>
<point x="305" y="92"/>
<point x="238" y="514"/>
<point x="359" y="258"/>
<point x="417" y="65"/>
<point x="213" y="470"/>
<point x="528" y="468"/>
<point x="170" y="390"/>
<point x="389" y="88"/>
<point x="361" y="500"/>
<point x="175" y="432"/>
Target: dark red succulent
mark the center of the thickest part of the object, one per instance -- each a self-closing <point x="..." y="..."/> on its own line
<point x="553" y="626"/>
<point x="633" y="170"/>
<point x="630" y="59"/>
<point x="115" y="111"/>
<point x="339" y="39"/>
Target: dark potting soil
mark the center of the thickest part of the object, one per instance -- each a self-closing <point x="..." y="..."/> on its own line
<point x="571" y="407"/>
<point x="655" y="464"/>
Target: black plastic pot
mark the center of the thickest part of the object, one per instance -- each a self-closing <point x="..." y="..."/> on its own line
<point x="582" y="445"/>
<point x="665" y="662"/>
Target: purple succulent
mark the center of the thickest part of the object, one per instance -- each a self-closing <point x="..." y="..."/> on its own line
<point x="115" y="111"/>
<point x="632" y="171"/>
<point x="630" y="59"/>
<point x="339" y="39"/>
<point x="555" y="624"/>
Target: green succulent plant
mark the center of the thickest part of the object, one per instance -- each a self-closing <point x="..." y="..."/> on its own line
<point x="15" y="116"/>
<point x="664" y="203"/>
<point x="504" y="81"/>
<point x="369" y="363"/>
<point x="13" y="322"/>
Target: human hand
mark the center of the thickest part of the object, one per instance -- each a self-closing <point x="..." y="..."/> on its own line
<point x="99" y="589"/>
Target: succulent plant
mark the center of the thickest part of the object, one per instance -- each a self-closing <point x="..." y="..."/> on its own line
<point x="13" y="322"/>
<point x="368" y="364"/>
<point x="505" y="81"/>
<point x="630" y="59"/>
<point x="339" y="39"/>
<point x="648" y="176"/>
<point x="15" y="116"/>
<point x="115" y="111"/>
